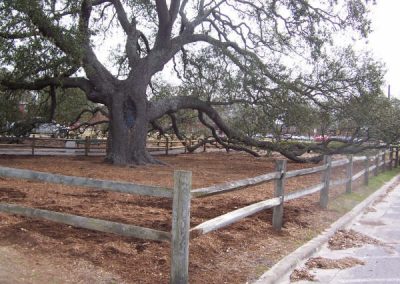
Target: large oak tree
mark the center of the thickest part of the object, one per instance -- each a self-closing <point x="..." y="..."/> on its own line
<point x="52" y="43"/>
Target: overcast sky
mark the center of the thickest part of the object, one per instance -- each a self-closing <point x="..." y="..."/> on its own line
<point x="385" y="40"/>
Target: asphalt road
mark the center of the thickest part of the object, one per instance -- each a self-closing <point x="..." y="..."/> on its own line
<point x="382" y="262"/>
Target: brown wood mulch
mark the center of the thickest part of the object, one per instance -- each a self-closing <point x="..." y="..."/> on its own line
<point x="236" y="254"/>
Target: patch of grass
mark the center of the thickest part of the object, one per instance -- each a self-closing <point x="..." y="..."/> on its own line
<point x="345" y="202"/>
<point x="378" y="181"/>
<point x="336" y="144"/>
<point x="260" y="269"/>
<point x="309" y="234"/>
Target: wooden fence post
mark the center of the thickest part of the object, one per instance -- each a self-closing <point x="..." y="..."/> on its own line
<point x="396" y="163"/>
<point x="277" y="215"/>
<point x="376" y="164"/>
<point x="205" y="146"/>
<point x="384" y="161"/>
<point x="87" y="145"/>
<point x="190" y="143"/>
<point x="186" y="145"/>
<point x="324" y="194"/>
<point x="33" y="144"/>
<point x="166" y="145"/>
<point x="390" y="158"/>
<point x="366" y="174"/>
<point x="349" y="174"/>
<point x="180" y="227"/>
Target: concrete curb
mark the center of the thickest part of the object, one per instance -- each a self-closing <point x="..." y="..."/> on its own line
<point x="290" y="261"/>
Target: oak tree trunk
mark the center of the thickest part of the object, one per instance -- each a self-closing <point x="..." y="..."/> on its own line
<point x="128" y="127"/>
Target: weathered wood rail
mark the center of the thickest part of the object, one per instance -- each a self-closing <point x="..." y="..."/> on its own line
<point x="106" y="185"/>
<point x="182" y="194"/>
<point x="87" y="223"/>
<point x="235" y="185"/>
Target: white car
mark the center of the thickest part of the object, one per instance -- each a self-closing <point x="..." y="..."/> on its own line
<point x="51" y="129"/>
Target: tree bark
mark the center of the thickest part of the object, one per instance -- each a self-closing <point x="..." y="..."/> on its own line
<point x="128" y="126"/>
<point x="53" y="103"/>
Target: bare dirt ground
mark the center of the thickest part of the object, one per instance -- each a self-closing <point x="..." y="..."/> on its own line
<point x="236" y="254"/>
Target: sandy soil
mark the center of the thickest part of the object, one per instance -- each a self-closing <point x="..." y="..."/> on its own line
<point x="236" y="254"/>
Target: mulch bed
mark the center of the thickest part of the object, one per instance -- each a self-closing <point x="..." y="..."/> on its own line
<point x="236" y="254"/>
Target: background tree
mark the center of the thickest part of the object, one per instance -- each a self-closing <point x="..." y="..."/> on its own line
<point x="9" y="110"/>
<point x="70" y="104"/>
<point x="372" y="118"/>
<point x="53" y="43"/>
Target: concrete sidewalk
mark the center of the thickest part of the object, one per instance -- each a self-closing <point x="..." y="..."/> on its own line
<point x="377" y="217"/>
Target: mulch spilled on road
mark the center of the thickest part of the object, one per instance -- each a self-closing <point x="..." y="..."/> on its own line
<point x="344" y="239"/>
<point x="327" y="263"/>
<point x="301" y="274"/>
<point x="304" y="273"/>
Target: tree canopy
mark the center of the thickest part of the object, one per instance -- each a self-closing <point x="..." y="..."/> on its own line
<point x="272" y="56"/>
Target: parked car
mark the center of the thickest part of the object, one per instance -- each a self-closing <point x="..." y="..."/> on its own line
<point x="286" y="136"/>
<point x="321" y="138"/>
<point x="51" y="129"/>
<point x="304" y="138"/>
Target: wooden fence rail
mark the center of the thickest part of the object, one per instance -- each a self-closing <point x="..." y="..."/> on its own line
<point x="306" y="191"/>
<point x="87" y="223"/>
<point x="106" y="185"/>
<point x="235" y="185"/>
<point x="233" y="216"/>
<point x="303" y="172"/>
<point x="182" y="194"/>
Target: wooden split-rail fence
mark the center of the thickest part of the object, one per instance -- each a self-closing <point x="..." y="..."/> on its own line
<point x="182" y="194"/>
<point x="88" y="146"/>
